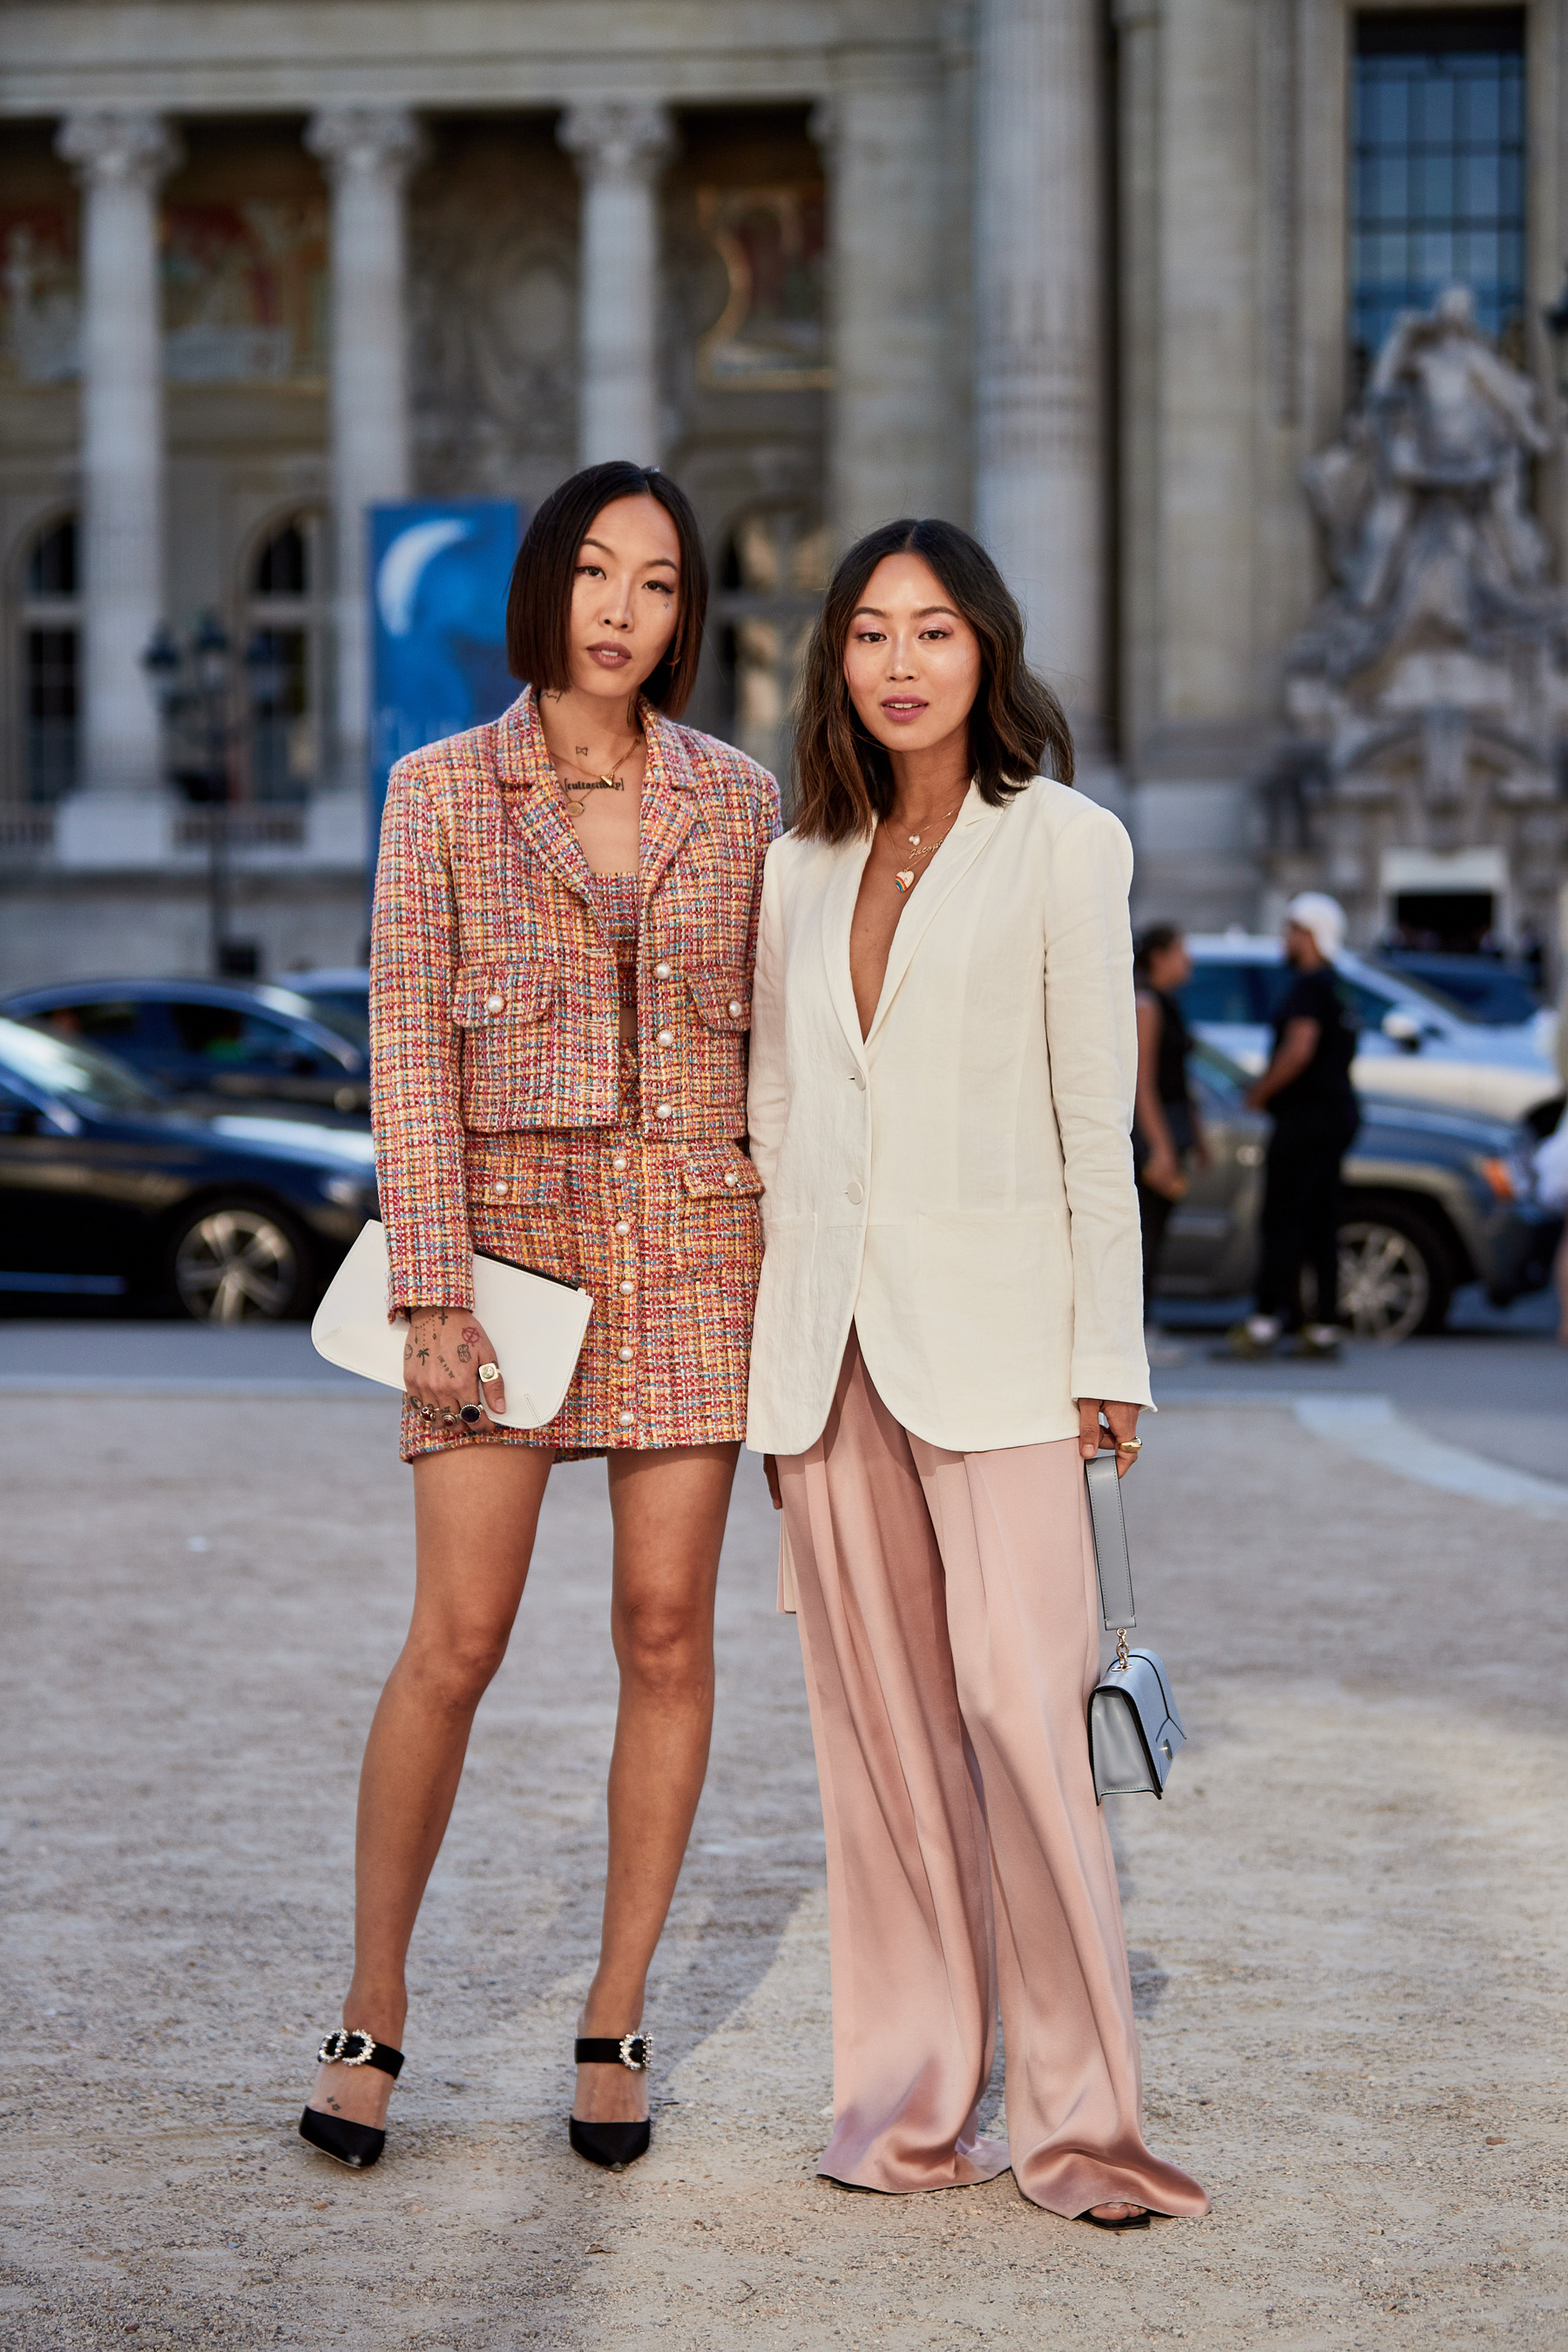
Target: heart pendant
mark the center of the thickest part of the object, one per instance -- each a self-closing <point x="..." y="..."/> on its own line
<point x="904" y="882"/>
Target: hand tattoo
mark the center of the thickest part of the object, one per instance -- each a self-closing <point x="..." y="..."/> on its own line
<point x="422" y="1354"/>
<point x="464" y="1355"/>
<point x="472" y="1334"/>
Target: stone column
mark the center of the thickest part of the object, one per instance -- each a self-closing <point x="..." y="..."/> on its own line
<point x="120" y="160"/>
<point x="888" y="203"/>
<point x="619" y="149"/>
<point x="1040" y="494"/>
<point x="368" y="152"/>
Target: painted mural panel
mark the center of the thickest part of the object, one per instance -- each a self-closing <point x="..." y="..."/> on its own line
<point x="40" y="299"/>
<point x="771" y="333"/>
<point x="244" y="290"/>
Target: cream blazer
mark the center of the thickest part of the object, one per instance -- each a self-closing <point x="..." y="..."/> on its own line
<point x="958" y="1185"/>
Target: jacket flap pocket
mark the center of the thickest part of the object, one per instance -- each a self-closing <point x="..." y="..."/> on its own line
<point x="489" y="994"/>
<point x="721" y="993"/>
<point x="712" y="1170"/>
<point x="506" y="1177"/>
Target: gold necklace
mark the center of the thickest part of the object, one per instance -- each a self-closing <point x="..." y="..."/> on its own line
<point x="919" y="848"/>
<point x="609" y="781"/>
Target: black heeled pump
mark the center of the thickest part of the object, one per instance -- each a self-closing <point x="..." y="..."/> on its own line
<point x="356" y="2145"/>
<point x="610" y="2144"/>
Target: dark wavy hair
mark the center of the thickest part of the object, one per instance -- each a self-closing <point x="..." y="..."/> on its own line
<point x="539" y="601"/>
<point x="843" y="776"/>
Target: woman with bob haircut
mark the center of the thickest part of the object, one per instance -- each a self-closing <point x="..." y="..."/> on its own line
<point x="560" y="996"/>
<point x="949" y="1324"/>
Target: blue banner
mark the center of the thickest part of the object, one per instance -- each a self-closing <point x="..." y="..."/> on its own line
<point x="439" y="574"/>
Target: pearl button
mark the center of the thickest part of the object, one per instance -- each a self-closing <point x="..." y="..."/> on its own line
<point x="619" y="1160"/>
<point x="661" y="971"/>
<point x="736" y="1008"/>
<point x="495" y="1004"/>
<point x="626" y="1419"/>
<point x="855" y="1190"/>
<point x="500" y="1188"/>
<point x="625" y="1355"/>
<point x="664" y="1111"/>
<point x="625" y="1290"/>
<point x="729" y="1177"/>
<point x="622" y="1227"/>
<point x="665" y="1037"/>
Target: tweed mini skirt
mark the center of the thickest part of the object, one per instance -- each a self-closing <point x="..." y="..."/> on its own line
<point x="667" y="1240"/>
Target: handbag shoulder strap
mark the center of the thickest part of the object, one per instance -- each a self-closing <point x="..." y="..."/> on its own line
<point x="1110" y="1559"/>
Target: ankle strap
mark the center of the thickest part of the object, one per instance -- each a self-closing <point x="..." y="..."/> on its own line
<point x="353" y="2047"/>
<point x="633" y="2050"/>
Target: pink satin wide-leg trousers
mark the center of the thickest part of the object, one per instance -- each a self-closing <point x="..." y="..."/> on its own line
<point x="949" y="1619"/>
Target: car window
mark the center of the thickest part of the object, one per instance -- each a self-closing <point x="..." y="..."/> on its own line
<point x="78" y="1072"/>
<point x="228" y="1035"/>
<point x="347" y="1016"/>
<point x="113" y="1023"/>
<point x="1221" y="989"/>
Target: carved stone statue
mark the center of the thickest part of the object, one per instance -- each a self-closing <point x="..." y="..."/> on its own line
<point x="1428" y="694"/>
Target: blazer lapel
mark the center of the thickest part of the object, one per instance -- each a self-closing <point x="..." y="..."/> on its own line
<point x="667" y="810"/>
<point x="977" y="821"/>
<point x="837" y="915"/>
<point x="526" y="782"/>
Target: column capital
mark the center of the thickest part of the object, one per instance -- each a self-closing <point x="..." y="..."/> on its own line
<point x="115" y="147"/>
<point x="616" y="139"/>
<point x="366" y="141"/>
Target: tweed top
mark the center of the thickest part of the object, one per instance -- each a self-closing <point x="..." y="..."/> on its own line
<point x="495" y="993"/>
<point x="616" y="900"/>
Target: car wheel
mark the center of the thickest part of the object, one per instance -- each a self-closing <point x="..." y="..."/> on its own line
<point x="233" y="1262"/>
<point x="1393" y="1276"/>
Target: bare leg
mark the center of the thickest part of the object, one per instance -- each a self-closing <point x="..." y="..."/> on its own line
<point x="476" y="1511"/>
<point x="670" y="1511"/>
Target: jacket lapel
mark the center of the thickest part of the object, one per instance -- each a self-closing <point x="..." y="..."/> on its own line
<point x="976" y="823"/>
<point x="667" y="810"/>
<point x="838" y="902"/>
<point x="528" y="796"/>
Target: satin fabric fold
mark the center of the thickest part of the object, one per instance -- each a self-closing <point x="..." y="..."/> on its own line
<point x="948" y="1618"/>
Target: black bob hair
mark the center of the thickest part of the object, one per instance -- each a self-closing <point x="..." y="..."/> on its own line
<point x="539" y="601"/>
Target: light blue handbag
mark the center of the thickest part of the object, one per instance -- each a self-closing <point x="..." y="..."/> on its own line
<point x="1134" y="1730"/>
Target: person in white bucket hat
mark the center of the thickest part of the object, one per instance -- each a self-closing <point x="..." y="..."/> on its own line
<point x="1307" y="1091"/>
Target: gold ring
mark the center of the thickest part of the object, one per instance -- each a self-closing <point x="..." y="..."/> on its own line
<point x="1130" y="1446"/>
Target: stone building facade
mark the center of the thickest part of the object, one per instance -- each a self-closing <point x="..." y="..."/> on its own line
<point x="1101" y="278"/>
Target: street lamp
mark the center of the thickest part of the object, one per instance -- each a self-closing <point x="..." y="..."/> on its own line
<point x="192" y="684"/>
<point x="1555" y="321"/>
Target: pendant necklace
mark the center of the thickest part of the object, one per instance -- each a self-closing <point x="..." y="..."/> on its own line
<point x="919" y="848"/>
<point x="610" y="782"/>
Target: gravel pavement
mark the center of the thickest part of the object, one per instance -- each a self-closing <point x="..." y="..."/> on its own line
<point x="1350" y="1921"/>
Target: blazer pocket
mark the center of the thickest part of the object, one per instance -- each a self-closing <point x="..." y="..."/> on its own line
<point x="721" y="993"/>
<point x="504" y="1014"/>
<point x="519" y="1208"/>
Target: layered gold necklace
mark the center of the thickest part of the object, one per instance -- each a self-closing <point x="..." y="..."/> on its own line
<point x="920" y="846"/>
<point x="610" y="781"/>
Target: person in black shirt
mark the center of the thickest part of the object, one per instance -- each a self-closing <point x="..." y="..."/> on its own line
<point x="1307" y="1089"/>
<point x="1166" y="1129"/>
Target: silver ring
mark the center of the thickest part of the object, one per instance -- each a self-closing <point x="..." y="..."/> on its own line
<point x="470" y="1415"/>
<point x="488" y="1372"/>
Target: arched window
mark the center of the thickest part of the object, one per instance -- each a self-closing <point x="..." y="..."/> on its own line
<point x="49" y="659"/>
<point x="284" y="654"/>
<point x="771" y="576"/>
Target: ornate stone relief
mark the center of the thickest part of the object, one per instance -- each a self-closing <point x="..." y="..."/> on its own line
<point x="1429" y="695"/>
<point x="493" y="311"/>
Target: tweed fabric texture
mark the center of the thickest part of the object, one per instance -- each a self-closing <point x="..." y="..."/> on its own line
<point x="494" y="992"/>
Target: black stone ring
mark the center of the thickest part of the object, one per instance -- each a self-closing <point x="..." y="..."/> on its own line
<point x="469" y="1415"/>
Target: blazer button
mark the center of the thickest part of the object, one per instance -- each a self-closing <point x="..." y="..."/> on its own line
<point x="664" y="1111"/>
<point x="661" y="971"/>
<point x="626" y="1419"/>
<point x="731" y="1178"/>
<point x="500" y="1188"/>
<point x="622" y="1227"/>
<point x="625" y="1354"/>
<point x="619" y="1160"/>
<point x="625" y="1289"/>
<point x="736" y="1008"/>
<point x="495" y="1004"/>
<point x="855" y="1190"/>
<point x="665" y="1037"/>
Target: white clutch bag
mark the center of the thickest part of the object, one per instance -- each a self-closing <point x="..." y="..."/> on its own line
<point x="534" y="1322"/>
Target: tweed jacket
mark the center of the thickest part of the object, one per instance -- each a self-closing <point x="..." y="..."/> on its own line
<point x="494" y="1000"/>
<point x="958" y="1183"/>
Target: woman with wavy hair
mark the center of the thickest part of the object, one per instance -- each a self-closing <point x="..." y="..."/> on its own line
<point x="561" y="984"/>
<point x="949" y="1324"/>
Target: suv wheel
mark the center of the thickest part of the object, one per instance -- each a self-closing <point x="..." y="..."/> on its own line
<point x="233" y="1262"/>
<point x="1395" y="1278"/>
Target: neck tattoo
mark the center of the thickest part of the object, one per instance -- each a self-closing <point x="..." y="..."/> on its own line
<point x="575" y="789"/>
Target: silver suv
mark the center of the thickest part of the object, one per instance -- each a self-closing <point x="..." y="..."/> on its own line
<point x="1413" y="1045"/>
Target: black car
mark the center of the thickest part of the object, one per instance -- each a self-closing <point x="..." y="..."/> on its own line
<point x="210" y="1043"/>
<point x="107" y="1192"/>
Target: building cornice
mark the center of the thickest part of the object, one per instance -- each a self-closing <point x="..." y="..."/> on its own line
<point x="240" y="56"/>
